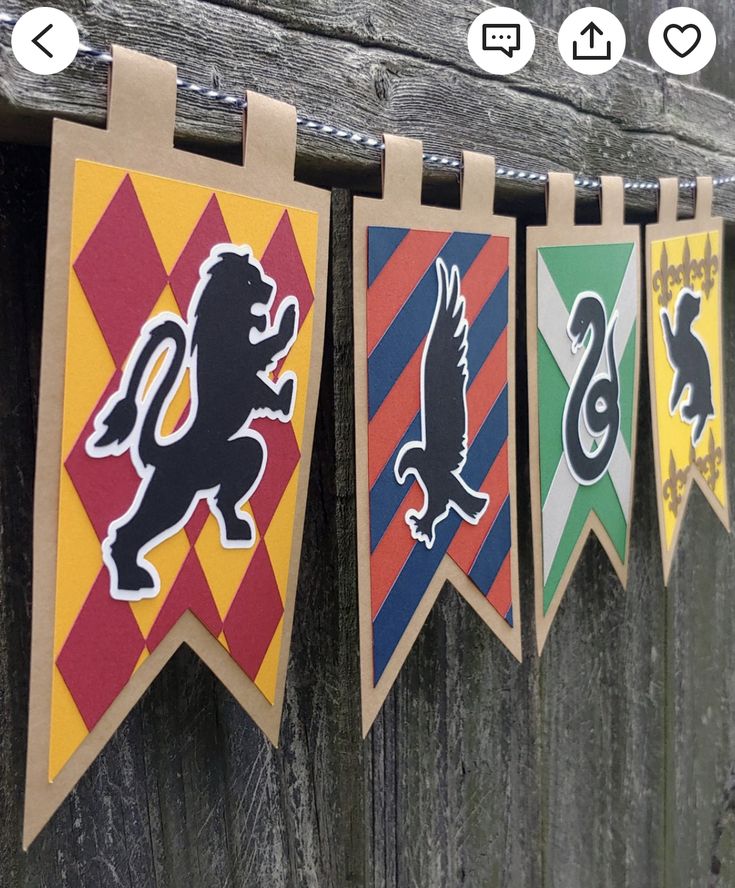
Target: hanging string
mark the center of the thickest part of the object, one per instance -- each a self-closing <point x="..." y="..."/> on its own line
<point x="346" y="134"/>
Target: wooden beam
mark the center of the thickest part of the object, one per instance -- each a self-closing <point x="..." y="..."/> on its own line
<point x="378" y="67"/>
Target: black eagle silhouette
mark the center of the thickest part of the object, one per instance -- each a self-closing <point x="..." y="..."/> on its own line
<point x="438" y="458"/>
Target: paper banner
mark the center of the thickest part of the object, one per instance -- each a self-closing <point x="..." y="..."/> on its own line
<point x="435" y="411"/>
<point x="183" y="331"/>
<point x="686" y="362"/>
<point x="583" y="353"/>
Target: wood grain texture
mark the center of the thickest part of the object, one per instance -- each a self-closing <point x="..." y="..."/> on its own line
<point x="188" y="792"/>
<point x="609" y="761"/>
<point x="637" y="18"/>
<point x="604" y="763"/>
<point x="634" y="92"/>
<point x="604" y="712"/>
<point x="398" y="67"/>
<point x="701" y="670"/>
<point x="22" y="211"/>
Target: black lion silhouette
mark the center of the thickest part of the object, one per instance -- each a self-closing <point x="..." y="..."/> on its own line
<point x="689" y="359"/>
<point x="230" y="346"/>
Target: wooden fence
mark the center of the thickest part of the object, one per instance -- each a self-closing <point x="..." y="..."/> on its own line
<point x="609" y="761"/>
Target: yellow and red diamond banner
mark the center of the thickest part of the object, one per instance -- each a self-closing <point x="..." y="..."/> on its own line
<point x="138" y="242"/>
<point x="182" y="343"/>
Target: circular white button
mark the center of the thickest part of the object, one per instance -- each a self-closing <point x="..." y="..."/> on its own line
<point x="591" y="40"/>
<point x="682" y="40"/>
<point x="45" y="40"/>
<point x="501" y="41"/>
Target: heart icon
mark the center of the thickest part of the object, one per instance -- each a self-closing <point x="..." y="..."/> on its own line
<point x="682" y="39"/>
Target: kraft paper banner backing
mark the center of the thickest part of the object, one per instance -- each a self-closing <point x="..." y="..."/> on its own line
<point x="583" y="288"/>
<point x="128" y="213"/>
<point x="435" y="411"/>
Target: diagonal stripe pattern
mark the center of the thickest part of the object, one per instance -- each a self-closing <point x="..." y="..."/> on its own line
<point x="401" y="298"/>
<point x="136" y="253"/>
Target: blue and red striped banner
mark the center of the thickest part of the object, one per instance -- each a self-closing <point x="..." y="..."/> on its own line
<point x="401" y="300"/>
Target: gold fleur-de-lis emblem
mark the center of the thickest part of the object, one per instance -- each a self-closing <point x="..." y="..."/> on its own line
<point x="689" y="268"/>
<point x="686" y="273"/>
<point x="674" y="484"/>
<point x="665" y="277"/>
<point x="708" y="464"/>
<point x="707" y="268"/>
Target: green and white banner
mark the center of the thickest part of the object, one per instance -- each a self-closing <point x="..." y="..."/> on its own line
<point x="583" y="381"/>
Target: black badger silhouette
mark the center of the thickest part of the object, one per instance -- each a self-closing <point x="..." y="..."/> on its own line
<point x="230" y="346"/>
<point x="438" y="458"/>
<point x="688" y="357"/>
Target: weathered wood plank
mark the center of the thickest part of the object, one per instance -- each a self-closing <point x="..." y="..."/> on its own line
<point x="359" y="865"/>
<point x="606" y="763"/>
<point x="188" y="792"/>
<point x="603" y="742"/>
<point x="631" y="93"/>
<point x="596" y="750"/>
<point x="623" y="124"/>
<point x="21" y="244"/>
<point x="701" y="671"/>
<point x="637" y="19"/>
<point x="465" y="723"/>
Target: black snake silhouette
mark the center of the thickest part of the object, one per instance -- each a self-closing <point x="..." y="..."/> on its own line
<point x="594" y="397"/>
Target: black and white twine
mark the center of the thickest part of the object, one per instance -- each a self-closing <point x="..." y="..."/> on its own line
<point x="371" y="142"/>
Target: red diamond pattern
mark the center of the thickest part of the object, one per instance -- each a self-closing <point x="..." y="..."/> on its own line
<point x="190" y="591"/>
<point x="197" y="521"/>
<point x="121" y="272"/>
<point x="282" y="261"/>
<point x="100" y="654"/>
<point x="283" y="457"/>
<point x="106" y="487"/>
<point x="254" y="614"/>
<point x="209" y="230"/>
<point x="122" y="276"/>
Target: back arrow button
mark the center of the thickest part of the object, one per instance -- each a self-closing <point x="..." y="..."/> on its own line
<point x="45" y="40"/>
<point x="37" y="40"/>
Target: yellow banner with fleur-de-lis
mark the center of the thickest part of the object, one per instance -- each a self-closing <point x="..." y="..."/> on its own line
<point x="686" y="364"/>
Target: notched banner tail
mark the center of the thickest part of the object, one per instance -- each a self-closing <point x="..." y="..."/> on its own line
<point x="182" y="345"/>
<point x="435" y="412"/>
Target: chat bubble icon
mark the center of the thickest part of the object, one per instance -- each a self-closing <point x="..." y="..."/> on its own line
<point x="501" y="41"/>
<point x="505" y="38"/>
